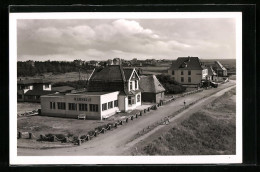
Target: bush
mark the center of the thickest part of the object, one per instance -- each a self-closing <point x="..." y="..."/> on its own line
<point x="171" y="86"/>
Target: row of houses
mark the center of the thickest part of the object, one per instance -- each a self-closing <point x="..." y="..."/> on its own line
<point x="191" y="72"/>
<point x="111" y="89"/>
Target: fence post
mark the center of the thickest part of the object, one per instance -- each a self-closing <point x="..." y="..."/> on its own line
<point x="144" y="110"/>
<point x="19" y="135"/>
<point x="121" y="122"/>
<point x="136" y="116"/>
<point x="79" y="142"/>
<point x="115" y="125"/>
<point x="132" y="117"/>
<point x="148" y="109"/>
<point x="103" y="130"/>
<point x="126" y="120"/>
<point x="30" y="135"/>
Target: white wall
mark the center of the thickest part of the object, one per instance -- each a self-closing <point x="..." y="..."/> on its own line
<point x="44" y="88"/>
<point x="133" y="106"/>
<point x="45" y="106"/>
<point x="108" y="98"/>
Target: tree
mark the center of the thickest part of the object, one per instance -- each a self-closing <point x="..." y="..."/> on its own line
<point x="171" y="86"/>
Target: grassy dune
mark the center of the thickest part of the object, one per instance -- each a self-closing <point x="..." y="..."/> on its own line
<point x="210" y="131"/>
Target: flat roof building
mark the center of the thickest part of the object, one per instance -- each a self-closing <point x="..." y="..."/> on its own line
<point x="109" y="90"/>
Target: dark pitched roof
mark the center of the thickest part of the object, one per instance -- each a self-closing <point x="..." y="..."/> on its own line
<point x="187" y="63"/>
<point x="110" y="78"/>
<point x="150" y="84"/>
<point x="128" y="72"/>
<point x="33" y="81"/>
<point x="219" y="66"/>
<point x="109" y="73"/>
<point x="38" y="92"/>
<point x="211" y="71"/>
<point x="62" y="89"/>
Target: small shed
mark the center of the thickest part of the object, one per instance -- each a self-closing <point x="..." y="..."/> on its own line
<point x="152" y="90"/>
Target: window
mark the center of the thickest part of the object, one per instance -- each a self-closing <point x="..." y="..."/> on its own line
<point x="61" y="105"/>
<point x="136" y="85"/>
<point x="182" y="79"/>
<point x="129" y="100"/>
<point x="110" y="105"/>
<point x="83" y="107"/>
<point x="173" y="72"/>
<point x="93" y="107"/>
<point x="189" y="72"/>
<point x="72" y="106"/>
<point x="116" y="103"/>
<point x="182" y="72"/>
<point x="131" y="85"/>
<point x="46" y="85"/>
<point x="104" y="106"/>
<point x="138" y="98"/>
<point x="52" y="105"/>
<point x="189" y="79"/>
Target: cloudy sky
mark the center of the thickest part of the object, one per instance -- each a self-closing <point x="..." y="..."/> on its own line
<point x="102" y="39"/>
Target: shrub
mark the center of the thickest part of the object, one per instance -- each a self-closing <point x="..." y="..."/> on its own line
<point x="171" y="86"/>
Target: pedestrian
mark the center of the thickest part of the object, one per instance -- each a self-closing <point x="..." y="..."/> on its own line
<point x="184" y="103"/>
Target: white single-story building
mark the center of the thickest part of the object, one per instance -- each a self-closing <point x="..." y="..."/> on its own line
<point x="109" y="90"/>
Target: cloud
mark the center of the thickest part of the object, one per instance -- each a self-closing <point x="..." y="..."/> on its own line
<point x="100" y="39"/>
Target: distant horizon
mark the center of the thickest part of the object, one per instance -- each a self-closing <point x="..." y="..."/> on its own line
<point x="123" y="59"/>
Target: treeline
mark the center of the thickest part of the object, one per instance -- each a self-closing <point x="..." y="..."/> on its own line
<point x="171" y="86"/>
<point x="27" y="69"/>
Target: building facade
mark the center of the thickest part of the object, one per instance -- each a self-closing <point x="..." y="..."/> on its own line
<point x="31" y="90"/>
<point x="109" y="90"/>
<point x="152" y="89"/>
<point x="94" y="105"/>
<point x="188" y="71"/>
<point x="220" y="69"/>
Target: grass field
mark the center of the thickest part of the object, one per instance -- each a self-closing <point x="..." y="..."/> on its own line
<point x="27" y="107"/>
<point x="210" y="131"/>
<point x="54" y="78"/>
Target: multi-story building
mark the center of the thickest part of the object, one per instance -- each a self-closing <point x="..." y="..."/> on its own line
<point x="188" y="71"/>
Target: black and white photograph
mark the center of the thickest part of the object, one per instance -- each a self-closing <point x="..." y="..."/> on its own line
<point x="125" y="88"/>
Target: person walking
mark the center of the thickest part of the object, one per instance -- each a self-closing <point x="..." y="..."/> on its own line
<point x="184" y="103"/>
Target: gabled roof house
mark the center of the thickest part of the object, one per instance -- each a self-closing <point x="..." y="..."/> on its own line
<point x="152" y="89"/>
<point x="188" y="71"/>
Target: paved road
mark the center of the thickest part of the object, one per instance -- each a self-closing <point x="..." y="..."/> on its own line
<point x="114" y="142"/>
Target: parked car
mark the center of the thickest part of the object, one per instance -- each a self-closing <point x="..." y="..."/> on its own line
<point x="214" y="84"/>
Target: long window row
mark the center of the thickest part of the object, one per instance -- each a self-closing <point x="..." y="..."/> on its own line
<point x="74" y="106"/>
<point x="109" y="105"/>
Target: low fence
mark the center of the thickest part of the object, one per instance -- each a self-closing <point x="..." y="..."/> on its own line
<point x="29" y="113"/>
<point x="104" y="128"/>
